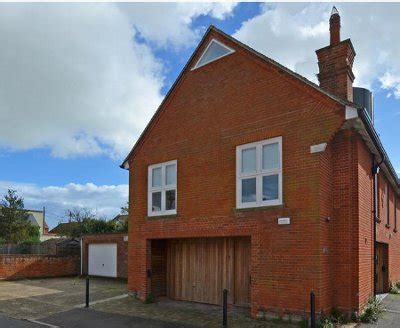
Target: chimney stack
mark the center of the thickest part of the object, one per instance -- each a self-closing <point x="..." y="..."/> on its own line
<point x="336" y="62"/>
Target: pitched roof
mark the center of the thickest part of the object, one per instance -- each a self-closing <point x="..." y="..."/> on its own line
<point x="371" y="129"/>
<point x="252" y="51"/>
<point x="120" y="218"/>
<point x="61" y="228"/>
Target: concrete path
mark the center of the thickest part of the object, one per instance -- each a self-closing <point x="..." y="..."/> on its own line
<point x="391" y="318"/>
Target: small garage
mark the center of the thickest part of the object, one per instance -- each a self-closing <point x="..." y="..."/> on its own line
<point x="102" y="260"/>
<point x="198" y="269"/>
<point x="105" y="255"/>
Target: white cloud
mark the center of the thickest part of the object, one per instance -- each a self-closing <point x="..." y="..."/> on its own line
<point x="391" y="81"/>
<point x="290" y="34"/>
<point x="104" y="200"/>
<point x="74" y="78"/>
<point x="170" y="23"/>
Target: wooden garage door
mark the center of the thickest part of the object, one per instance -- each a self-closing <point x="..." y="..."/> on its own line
<point x="199" y="269"/>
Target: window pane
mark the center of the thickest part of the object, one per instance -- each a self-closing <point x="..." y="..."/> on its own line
<point x="270" y="187"/>
<point x="156" y="201"/>
<point x="248" y="190"/>
<point x="270" y="156"/>
<point x="170" y="174"/>
<point x="214" y="51"/>
<point x="156" y="177"/>
<point x="249" y="160"/>
<point x="170" y="200"/>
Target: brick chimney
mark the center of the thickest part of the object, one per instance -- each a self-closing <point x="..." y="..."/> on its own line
<point x="336" y="62"/>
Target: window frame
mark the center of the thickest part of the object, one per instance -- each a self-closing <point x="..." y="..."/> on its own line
<point x="258" y="174"/>
<point x="196" y="66"/>
<point x="163" y="188"/>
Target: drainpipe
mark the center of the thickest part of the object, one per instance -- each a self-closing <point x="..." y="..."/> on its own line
<point x="375" y="172"/>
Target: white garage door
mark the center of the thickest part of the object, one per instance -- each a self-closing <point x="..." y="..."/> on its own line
<point x="103" y="260"/>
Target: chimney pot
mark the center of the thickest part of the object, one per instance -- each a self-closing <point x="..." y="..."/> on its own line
<point x="336" y="62"/>
<point x="334" y="26"/>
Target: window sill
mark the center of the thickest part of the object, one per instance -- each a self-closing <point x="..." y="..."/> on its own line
<point x="387" y="226"/>
<point x="258" y="208"/>
<point x="162" y="216"/>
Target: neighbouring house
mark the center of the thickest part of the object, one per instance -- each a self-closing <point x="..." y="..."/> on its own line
<point x="249" y="177"/>
<point x="105" y="255"/>
<point x="120" y="219"/>
<point x="64" y="229"/>
<point x="38" y="218"/>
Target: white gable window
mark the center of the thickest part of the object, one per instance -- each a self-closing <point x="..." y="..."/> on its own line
<point x="259" y="173"/>
<point x="215" y="50"/>
<point x="162" y="194"/>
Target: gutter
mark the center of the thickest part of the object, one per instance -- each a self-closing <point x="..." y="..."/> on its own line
<point x="362" y="113"/>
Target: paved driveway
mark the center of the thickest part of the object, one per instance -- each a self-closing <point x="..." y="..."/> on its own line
<point x="14" y="323"/>
<point x="391" y="318"/>
<point x="38" y="298"/>
<point x="58" y="302"/>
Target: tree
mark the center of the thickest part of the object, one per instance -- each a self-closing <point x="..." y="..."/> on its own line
<point x="14" y="225"/>
<point x="124" y="211"/>
<point x="82" y="221"/>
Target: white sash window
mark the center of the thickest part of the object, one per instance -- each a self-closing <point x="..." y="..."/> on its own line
<point x="162" y="192"/>
<point x="259" y="173"/>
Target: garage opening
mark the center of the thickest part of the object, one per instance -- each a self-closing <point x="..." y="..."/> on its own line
<point x="198" y="269"/>
<point x="102" y="260"/>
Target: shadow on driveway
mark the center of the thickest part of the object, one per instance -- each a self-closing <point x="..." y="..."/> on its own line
<point x="14" y="323"/>
<point x="88" y="318"/>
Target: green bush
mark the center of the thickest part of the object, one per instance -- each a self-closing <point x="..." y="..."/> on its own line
<point x="373" y="311"/>
<point x="327" y="323"/>
<point x="334" y="320"/>
<point x="395" y="287"/>
<point x="150" y="299"/>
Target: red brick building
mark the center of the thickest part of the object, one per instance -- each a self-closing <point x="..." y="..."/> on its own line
<point x="250" y="177"/>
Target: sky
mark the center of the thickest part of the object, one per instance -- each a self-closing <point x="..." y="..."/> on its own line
<point x="79" y="82"/>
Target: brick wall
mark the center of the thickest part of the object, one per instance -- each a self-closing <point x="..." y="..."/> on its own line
<point x="111" y="238"/>
<point x="38" y="266"/>
<point x="386" y="233"/>
<point x="213" y="110"/>
<point x="366" y="224"/>
<point x="159" y="267"/>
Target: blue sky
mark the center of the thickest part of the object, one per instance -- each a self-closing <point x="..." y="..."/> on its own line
<point x="63" y="80"/>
